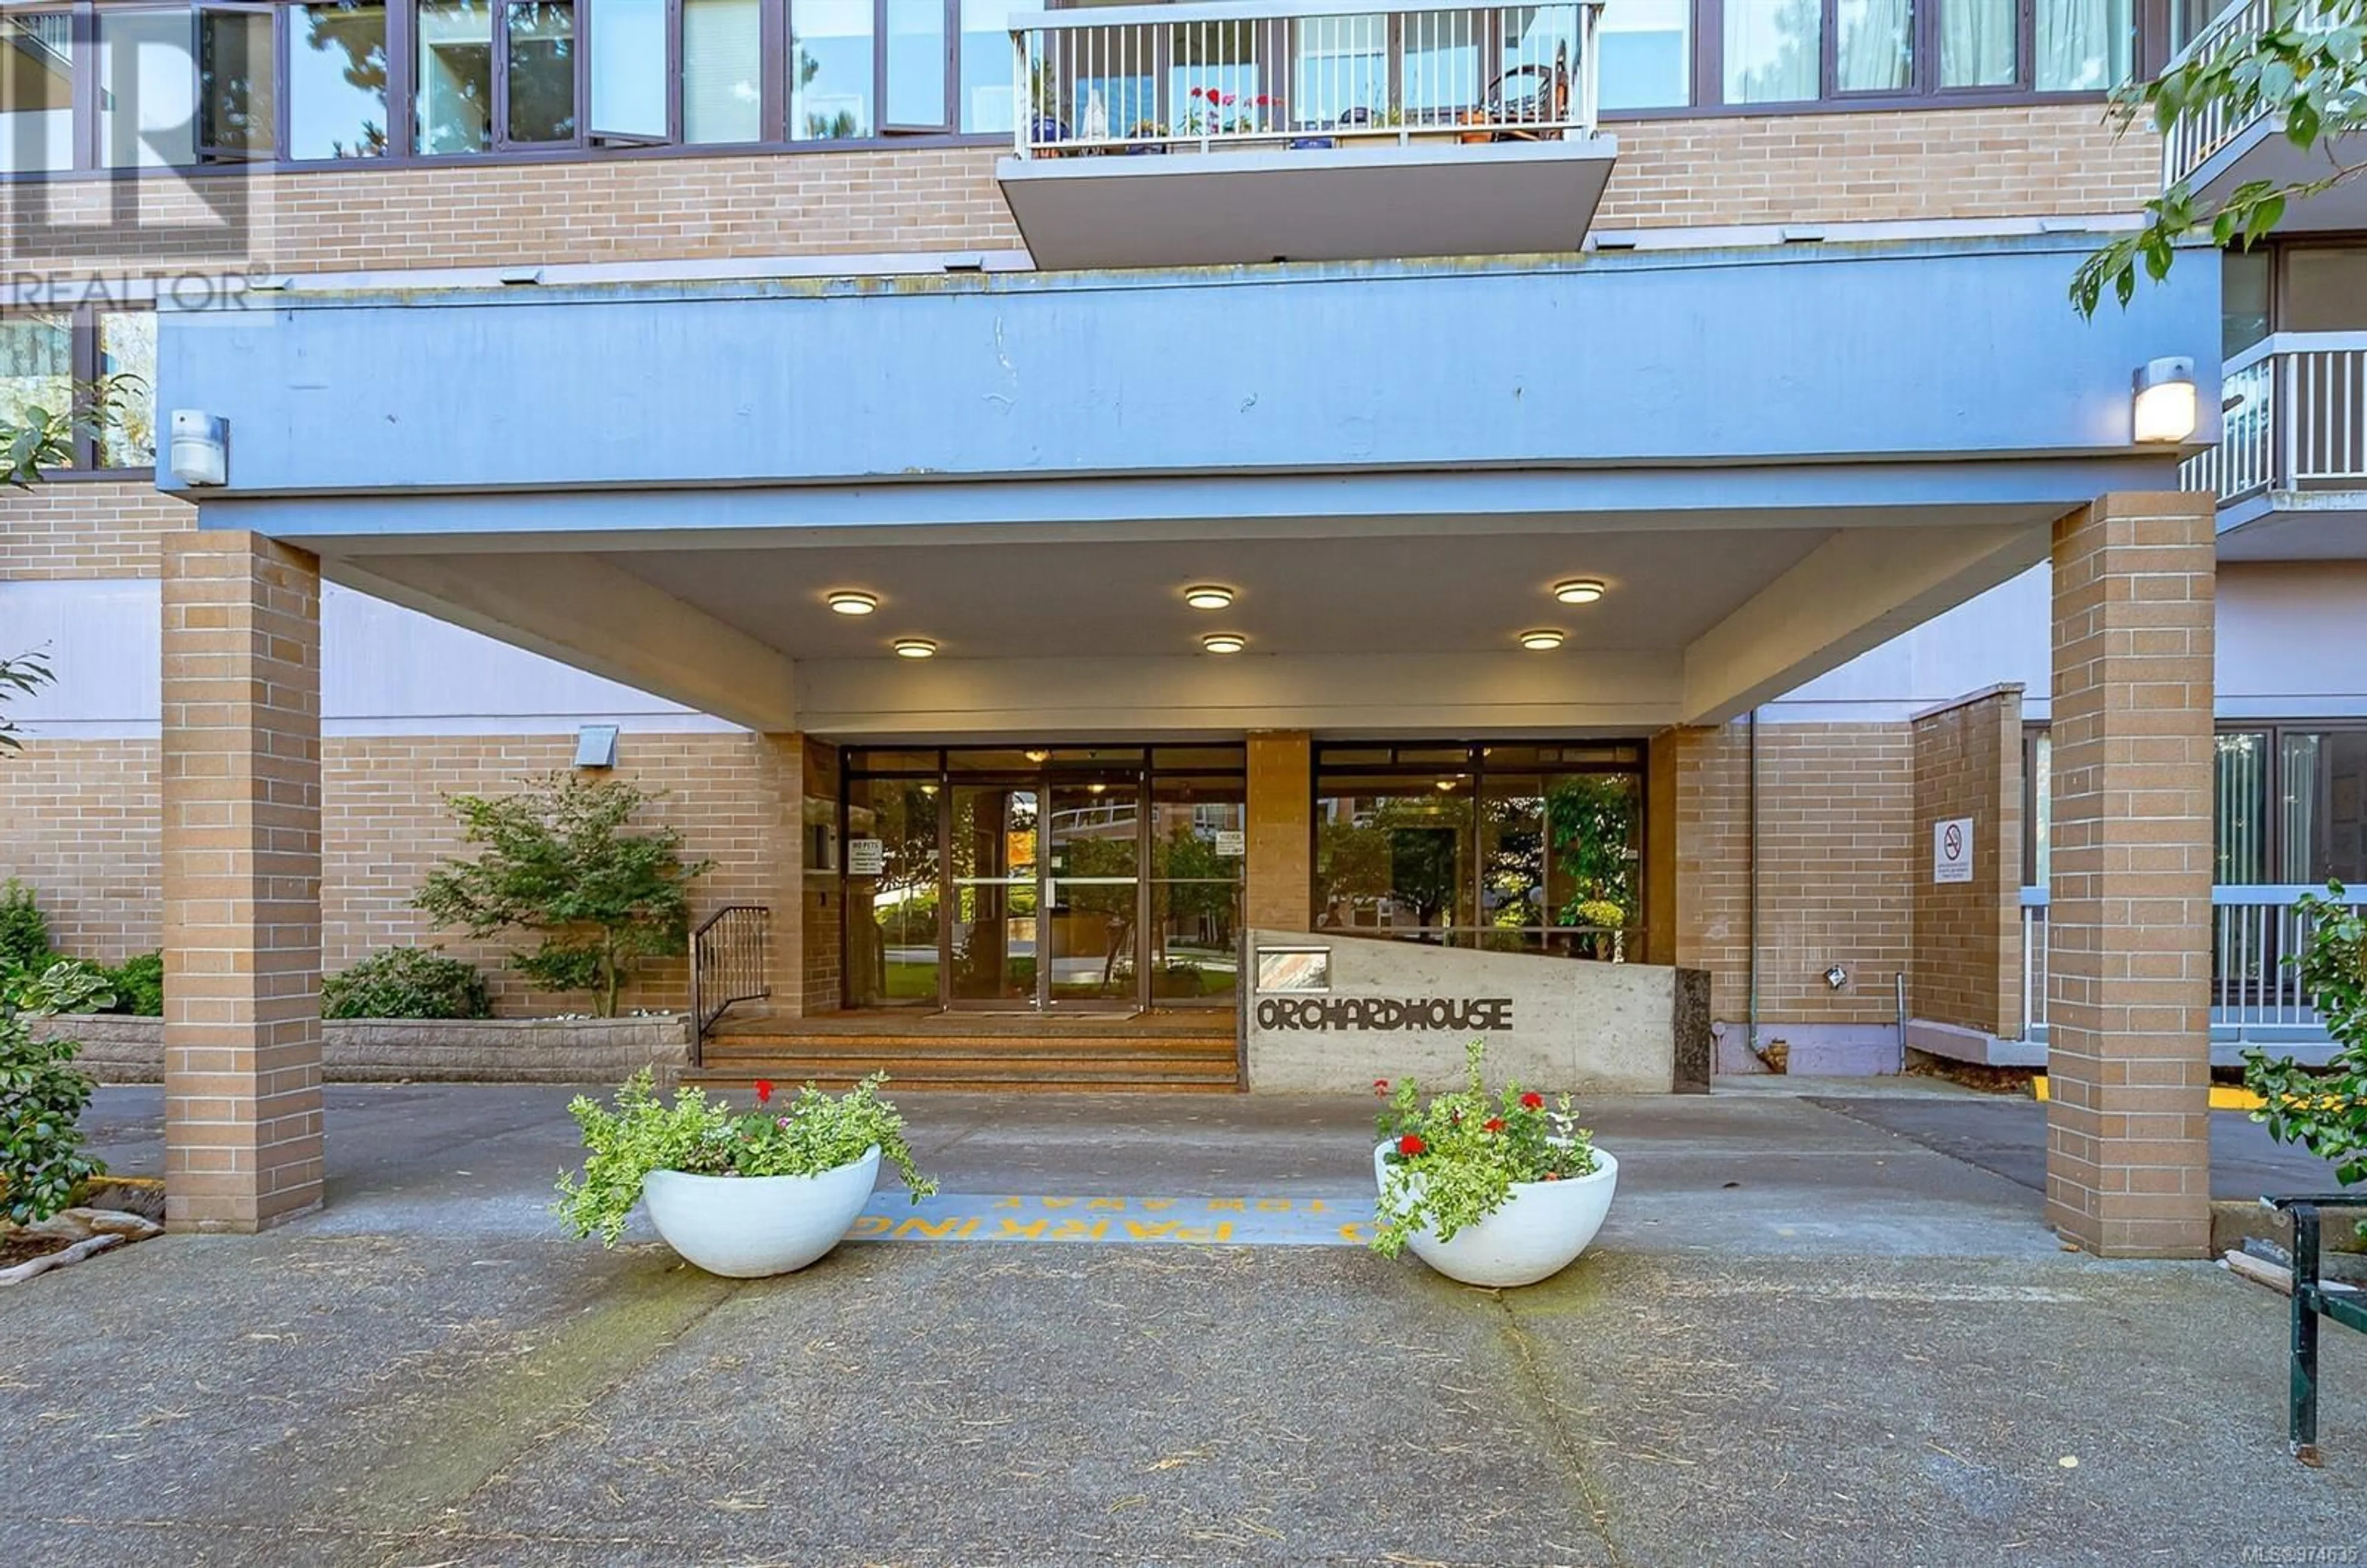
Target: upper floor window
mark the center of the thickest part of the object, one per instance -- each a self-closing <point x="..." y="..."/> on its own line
<point x="1780" y="51"/>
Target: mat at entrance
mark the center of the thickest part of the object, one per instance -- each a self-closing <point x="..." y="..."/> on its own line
<point x="1119" y="1221"/>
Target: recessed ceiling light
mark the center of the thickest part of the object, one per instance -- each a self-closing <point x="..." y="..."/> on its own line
<point x="1544" y="639"/>
<point x="1446" y="783"/>
<point x="1579" y="591"/>
<point x="1209" y="596"/>
<point x="915" y="647"/>
<point x="1224" y="642"/>
<point x="1037" y="756"/>
<point x="852" y="602"/>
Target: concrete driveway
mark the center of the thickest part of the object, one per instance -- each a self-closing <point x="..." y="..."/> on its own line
<point x="1803" y="1338"/>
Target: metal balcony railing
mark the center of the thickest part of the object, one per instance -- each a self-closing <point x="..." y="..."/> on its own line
<point x="1287" y="74"/>
<point x="2191" y="142"/>
<point x="2296" y="418"/>
<point x="2254" y="928"/>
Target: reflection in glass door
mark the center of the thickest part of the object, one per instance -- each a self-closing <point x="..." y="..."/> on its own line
<point x="992" y="940"/>
<point x="893" y="957"/>
<point x="1092" y="887"/>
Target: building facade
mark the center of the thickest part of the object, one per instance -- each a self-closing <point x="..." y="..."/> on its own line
<point x="1644" y="483"/>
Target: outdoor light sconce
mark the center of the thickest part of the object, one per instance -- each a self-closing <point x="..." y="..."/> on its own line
<point x="596" y="746"/>
<point x="2164" y="412"/>
<point x="200" y="447"/>
<point x="1836" y="976"/>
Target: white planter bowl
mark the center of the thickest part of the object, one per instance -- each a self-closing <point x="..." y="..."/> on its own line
<point x="1538" y="1231"/>
<point x="745" y="1227"/>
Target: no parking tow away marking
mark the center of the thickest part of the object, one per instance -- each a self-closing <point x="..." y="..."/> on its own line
<point x="1126" y="1222"/>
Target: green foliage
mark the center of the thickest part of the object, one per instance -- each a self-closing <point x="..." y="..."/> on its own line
<point x="138" y="985"/>
<point x="1457" y="1158"/>
<point x="20" y="677"/>
<point x="42" y="438"/>
<point x="2304" y="70"/>
<point x="406" y="982"/>
<point x="24" y="932"/>
<point x="816" y="1132"/>
<point x="1592" y="820"/>
<point x="2325" y="1111"/>
<point x="557" y="860"/>
<point x="42" y="1095"/>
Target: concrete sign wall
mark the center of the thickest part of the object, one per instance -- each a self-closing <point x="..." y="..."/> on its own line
<point x="1330" y="1013"/>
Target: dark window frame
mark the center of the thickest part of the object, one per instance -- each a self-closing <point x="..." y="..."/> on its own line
<point x="82" y="368"/>
<point x="1475" y="762"/>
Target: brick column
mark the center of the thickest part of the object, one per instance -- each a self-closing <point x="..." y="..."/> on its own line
<point x="242" y="881"/>
<point x="2129" y="925"/>
<point x="1281" y="871"/>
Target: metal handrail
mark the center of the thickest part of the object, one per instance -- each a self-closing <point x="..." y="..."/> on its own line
<point x="728" y="964"/>
<point x="2294" y="417"/>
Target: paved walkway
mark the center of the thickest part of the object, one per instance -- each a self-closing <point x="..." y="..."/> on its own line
<point x="1804" y="1337"/>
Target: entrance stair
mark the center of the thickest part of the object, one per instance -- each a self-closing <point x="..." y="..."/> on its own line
<point x="1169" y="1053"/>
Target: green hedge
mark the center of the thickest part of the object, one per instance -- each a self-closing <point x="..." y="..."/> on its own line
<point x="406" y="982"/>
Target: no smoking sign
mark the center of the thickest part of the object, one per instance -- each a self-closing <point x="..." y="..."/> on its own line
<point x="1952" y="850"/>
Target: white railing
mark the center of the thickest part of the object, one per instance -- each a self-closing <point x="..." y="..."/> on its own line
<point x="2213" y="125"/>
<point x="2294" y="418"/>
<point x="2253" y="930"/>
<point x="1299" y="73"/>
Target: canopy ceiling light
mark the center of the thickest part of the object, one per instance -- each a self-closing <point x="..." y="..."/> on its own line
<point x="1544" y="639"/>
<point x="2165" y="412"/>
<point x="1224" y="642"/>
<point x="915" y="647"/>
<point x="1209" y="596"/>
<point x="1579" y="591"/>
<point x="852" y="601"/>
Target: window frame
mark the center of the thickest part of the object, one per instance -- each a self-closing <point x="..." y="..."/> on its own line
<point x="82" y="369"/>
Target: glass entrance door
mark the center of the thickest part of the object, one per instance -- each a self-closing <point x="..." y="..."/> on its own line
<point x="1092" y="894"/>
<point x="993" y="937"/>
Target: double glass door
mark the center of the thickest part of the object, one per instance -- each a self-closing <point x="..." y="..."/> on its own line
<point x="1108" y="886"/>
<point x="1047" y="894"/>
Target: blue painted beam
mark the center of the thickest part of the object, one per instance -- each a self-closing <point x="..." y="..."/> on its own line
<point x="1839" y="353"/>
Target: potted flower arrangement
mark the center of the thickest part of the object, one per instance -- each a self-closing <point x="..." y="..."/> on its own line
<point x="739" y="1193"/>
<point x="1497" y="1193"/>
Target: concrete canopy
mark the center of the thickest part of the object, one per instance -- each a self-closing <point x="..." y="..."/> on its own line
<point x="1774" y="461"/>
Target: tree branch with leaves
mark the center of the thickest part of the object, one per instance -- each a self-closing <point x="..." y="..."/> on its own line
<point x="2305" y="71"/>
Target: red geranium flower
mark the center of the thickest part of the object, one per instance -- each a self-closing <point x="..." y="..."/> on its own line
<point x="1533" y="1101"/>
<point x="1196" y="91"/>
<point x="1381" y="1087"/>
<point x="1411" y="1146"/>
<point x="1229" y="100"/>
<point x="764" y="1091"/>
<point x="1495" y="1123"/>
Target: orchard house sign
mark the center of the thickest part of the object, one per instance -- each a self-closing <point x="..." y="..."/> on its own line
<point x="1323" y="1014"/>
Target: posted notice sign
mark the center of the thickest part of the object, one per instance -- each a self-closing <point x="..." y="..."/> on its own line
<point x="866" y="857"/>
<point x="1952" y="850"/>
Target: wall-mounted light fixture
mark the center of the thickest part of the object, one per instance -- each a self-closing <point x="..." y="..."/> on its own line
<point x="2164" y="406"/>
<point x="1836" y="976"/>
<point x="200" y="447"/>
<point x="596" y="745"/>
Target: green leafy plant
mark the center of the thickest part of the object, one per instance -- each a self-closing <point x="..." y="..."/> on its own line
<point x="38" y="438"/>
<point x="42" y="1095"/>
<point x="406" y="982"/>
<point x="2323" y="1110"/>
<point x="2304" y="69"/>
<point x="24" y="932"/>
<point x="558" y="859"/>
<point x="20" y="677"/>
<point x="1456" y="1160"/>
<point x="139" y="986"/>
<point x="813" y="1134"/>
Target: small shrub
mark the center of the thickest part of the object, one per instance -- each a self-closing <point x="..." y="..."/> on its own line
<point x="2323" y="1110"/>
<point x="139" y="986"/>
<point x="24" y="934"/>
<point x="406" y="982"/>
<point x="41" y="1094"/>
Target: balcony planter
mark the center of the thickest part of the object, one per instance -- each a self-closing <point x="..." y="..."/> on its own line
<point x="746" y="1227"/>
<point x="1536" y="1233"/>
<point x="743" y="1194"/>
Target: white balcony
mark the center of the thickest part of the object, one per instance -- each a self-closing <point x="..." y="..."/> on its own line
<point x="2219" y="150"/>
<point x="1259" y="130"/>
<point x="2290" y="466"/>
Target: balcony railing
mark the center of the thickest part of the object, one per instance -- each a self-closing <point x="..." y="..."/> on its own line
<point x="2255" y="994"/>
<point x="2296" y="418"/>
<point x="2213" y="125"/>
<point x="1244" y="74"/>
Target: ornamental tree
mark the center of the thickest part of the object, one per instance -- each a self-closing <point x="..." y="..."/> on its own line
<point x="2324" y="1112"/>
<point x="559" y="861"/>
<point x="2304" y="71"/>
